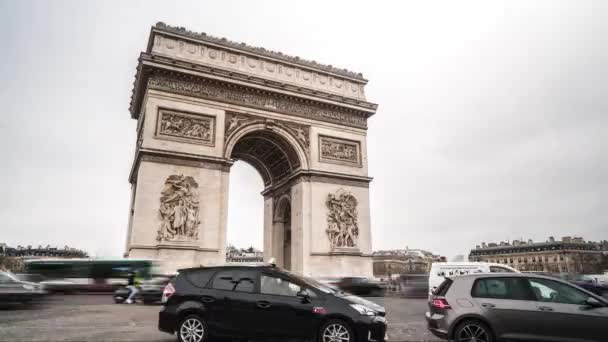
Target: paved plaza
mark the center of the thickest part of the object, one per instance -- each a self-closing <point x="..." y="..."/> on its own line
<point x="96" y="318"/>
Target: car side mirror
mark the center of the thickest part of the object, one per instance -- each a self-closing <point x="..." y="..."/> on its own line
<point x="593" y="303"/>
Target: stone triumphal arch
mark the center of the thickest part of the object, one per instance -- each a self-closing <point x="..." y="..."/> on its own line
<point x="203" y="102"/>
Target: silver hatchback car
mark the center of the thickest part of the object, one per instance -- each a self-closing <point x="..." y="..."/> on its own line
<point x="516" y="307"/>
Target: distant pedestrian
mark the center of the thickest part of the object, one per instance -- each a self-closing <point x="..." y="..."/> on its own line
<point x="132" y="286"/>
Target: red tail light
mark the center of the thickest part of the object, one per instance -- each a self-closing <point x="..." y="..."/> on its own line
<point x="440" y="303"/>
<point x="319" y="310"/>
<point x="168" y="291"/>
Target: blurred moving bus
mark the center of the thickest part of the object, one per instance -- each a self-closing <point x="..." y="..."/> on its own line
<point x="69" y="275"/>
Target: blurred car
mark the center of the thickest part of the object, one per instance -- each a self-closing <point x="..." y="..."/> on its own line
<point x="362" y="286"/>
<point x="414" y="285"/>
<point x="589" y="284"/>
<point x="150" y="291"/>
<point x="512" y="306"/>
<point x="331" y="282"/>
<point x="49" y="285"/>
<point x="13" y="290"/>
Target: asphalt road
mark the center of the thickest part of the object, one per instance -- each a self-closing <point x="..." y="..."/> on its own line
<point x="97" y="318"/>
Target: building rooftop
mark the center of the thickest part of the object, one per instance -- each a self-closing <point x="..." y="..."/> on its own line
<point x="551" y="242"/>
<point x="259" y="50"/>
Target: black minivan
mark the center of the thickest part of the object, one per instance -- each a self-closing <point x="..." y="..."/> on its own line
<point x="264" y="301"/>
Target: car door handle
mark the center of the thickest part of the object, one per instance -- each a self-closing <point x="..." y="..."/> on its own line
<point x="263" y="304"/>
<point x="488" y="305"/>
<point x="545" y="308"/>
<point x="208" y="299"/>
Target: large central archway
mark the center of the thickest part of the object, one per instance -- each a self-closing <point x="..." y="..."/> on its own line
<point x="202" y="103"/>
<point x="271" y="153"/>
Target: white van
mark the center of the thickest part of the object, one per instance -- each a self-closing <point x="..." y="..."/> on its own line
<point x="440" y="270"/>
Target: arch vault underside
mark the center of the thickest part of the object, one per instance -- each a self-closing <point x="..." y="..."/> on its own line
<point x="201" y="103"/>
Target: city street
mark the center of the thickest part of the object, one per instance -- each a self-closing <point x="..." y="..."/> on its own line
<point x="97" y="318"/>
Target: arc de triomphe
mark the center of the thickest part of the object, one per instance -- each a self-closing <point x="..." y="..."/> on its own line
<point x="203" y="102"/>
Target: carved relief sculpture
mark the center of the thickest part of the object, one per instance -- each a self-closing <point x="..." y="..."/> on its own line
<point x="302" y="133"/>
<point x="340" y="151"/>
<point x="269" y="101"/>
<point x="342" y="228"/>
<point x="186" y="127"/>
<point x="179" y="210"/>
<point x="236" y="120"/>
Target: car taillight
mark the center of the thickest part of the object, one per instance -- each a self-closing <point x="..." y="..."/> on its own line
<point x="319" y="310"/>
<point x="167" y="292"/>
<point x="440" y="303"/>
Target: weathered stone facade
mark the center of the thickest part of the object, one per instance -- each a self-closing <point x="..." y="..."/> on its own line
<point x="390" y="263"/>
<point x="570" y="255"/>
<point x="201" y="104"/>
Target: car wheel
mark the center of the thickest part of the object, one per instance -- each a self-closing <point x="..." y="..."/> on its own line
<point x="473" y="330"/>
<point x="192" y="329"/>
<point x="336" y="330"/>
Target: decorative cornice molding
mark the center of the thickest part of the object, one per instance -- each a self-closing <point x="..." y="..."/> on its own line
<point x="170" y="63"/>
<point x="174" y="158"/>
<point x="170" y="246"/>
<point x="330" y="254"/>
<point x="160" y="26"/>
<point x="319" y="177"/>
<point x="190" y="85"/>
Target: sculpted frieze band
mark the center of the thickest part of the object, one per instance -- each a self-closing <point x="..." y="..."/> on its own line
<point x="267" y="101"/>
<point x="339" y="151"/>
<point x="185" y="127"/>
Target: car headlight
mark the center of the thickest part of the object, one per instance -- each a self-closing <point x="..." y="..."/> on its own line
<point x="28" y="287"/>
<point x="363" y="310"/>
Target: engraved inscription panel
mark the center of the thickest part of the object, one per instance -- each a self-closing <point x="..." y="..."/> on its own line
<point x="340" y="151"/>
<point x="186" y="127"/>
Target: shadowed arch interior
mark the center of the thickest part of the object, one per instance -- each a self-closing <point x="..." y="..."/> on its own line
<point x="269" y="153"/>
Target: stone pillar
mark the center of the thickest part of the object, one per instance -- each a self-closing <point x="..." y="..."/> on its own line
<point x="325" y="258"/>
<point x="176" y="251"/>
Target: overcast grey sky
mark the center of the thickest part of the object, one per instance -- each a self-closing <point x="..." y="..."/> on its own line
<point x="492" y="120"/>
